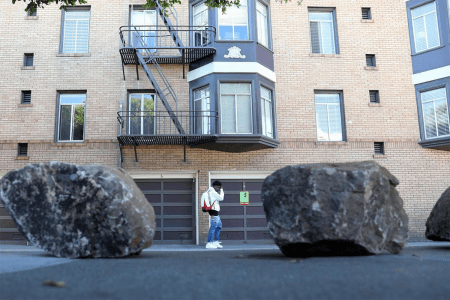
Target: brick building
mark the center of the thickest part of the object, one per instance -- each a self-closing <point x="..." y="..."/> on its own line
<point x="208" y="97"/>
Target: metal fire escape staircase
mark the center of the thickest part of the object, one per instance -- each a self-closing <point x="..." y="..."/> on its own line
<point x="149" y="57"/>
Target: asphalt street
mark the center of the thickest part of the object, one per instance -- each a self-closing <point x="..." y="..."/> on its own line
<point x="420" y="272"/>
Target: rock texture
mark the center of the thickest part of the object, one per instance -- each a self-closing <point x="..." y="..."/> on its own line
<point x="79" y="211"/>
<point x="438" y="223"/>
<point x="335" y="209"/>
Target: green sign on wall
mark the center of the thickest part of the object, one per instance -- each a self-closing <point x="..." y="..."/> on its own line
<point x="245" y="196"/>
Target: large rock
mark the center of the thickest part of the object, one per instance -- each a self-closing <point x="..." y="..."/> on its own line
<point x="438" y="223"/>
<point x="337" y="209"/>
<point x="79" y="211"/>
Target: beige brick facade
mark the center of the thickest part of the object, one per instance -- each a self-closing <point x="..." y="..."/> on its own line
<point x="424" y="174"/>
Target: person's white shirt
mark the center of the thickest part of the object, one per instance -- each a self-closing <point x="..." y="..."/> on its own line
<point x="212" y="197"/>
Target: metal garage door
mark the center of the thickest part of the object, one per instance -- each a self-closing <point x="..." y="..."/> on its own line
<point x="173" y="202"/>
<point x="9" y="234"/>
<point x="243" y="223"/>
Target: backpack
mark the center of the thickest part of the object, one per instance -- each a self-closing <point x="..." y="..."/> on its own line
<point x="205" y="207"/>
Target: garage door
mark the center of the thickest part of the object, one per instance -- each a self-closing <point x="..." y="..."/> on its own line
<point x="173" y="202"/>
<point x="243" y="223"/>
<point x="9" y="234"/>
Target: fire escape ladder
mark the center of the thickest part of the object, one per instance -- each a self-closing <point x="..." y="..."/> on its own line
<point x="165" y="15"/>
<point x="164" y="94"/>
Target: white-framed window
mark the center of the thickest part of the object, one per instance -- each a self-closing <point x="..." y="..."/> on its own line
<point x="262" y="24"/>
<point x="75" y="37"/>
<point x="266" y="112"/>
<point x="71" y="113"/>
<point x="200" y="21"/>
<point x="322" y="32"/>
<point x="328" y="116"/>
<point x="435" y="113"/>
<point x="141" y="113"/>
<point x="202" y="104"/>
<point x="236" y="108"/>
<point x="425" y="27"/>
<point x="143" y="27"/>
<point x="233" y="24"/>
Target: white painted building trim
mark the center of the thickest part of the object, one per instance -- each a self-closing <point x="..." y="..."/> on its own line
<point x="239" y="174"/>
<point x="231" y="67"/>
<point x="197" y="232"/>
<point x="431" y="75"/>
<point x="163" y="175"/>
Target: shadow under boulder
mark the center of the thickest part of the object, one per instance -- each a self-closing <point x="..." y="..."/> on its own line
<point x="335" y="209"/>
<point x="79" y="211"/>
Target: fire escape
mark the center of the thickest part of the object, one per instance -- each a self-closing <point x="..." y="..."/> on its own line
<point x="149" y="47"/>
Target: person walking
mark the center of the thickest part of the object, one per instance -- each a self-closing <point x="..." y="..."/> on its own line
<point x="213" y="195"/>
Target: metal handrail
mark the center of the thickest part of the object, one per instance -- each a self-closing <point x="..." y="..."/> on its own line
<point x="150" y="122"/>
<point x="160" y="37"/>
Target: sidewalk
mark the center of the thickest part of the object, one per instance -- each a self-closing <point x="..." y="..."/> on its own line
<point x="236" y="247"/>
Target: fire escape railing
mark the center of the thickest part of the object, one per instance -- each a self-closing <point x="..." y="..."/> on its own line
<point x="150" y="122"/>
<point x="189" y="44"/>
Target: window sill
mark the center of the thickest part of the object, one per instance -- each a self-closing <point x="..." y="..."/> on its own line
<point x="428" y="50"/>
<point x="32" y="18"/>
<point x="69" y="144"/>
<point x="74" y="55"/>
<point x="234" y="41"/>
<point x="22" y="158"/>
<point x="379" y="156"/>
<point x="371" y="68"/>
<point x="324" y="55"/>
<point x="335" y="143"/>
<point x="25" y="105"/>
<point x="375" y="104"/>
<point x="367" y="21"/>
<point x="27" y="68"/>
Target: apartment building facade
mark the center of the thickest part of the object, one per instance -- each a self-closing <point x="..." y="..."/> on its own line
<point x="180" y="99"/>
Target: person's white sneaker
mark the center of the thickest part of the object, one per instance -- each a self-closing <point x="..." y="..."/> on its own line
<point x="217" y="244"/>
<point x="211" y="246"/>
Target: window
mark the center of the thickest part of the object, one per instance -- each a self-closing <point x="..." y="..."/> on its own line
<point x="71" y="117"/>
<point x="425" y="27"/>
<point x="236" y="108"/>
<point x="142" y="114"/>
<point x="266" y="112"/>
<point x="144" y="35"/>
<point x="262" y="22"/>
<point x="28" y="60"/>
<point x="233" y="25"/>
<point x="322" y="32"/>
<point x="200" y="21"/>
<point x="202" y="124"/>
<point x="26" y="97"/>
<point x="75" y="37"/>
<point x="30" y="14"/>
<point x="435" y="113"/>
<point x="328" y="116"/>
<point x="378" y="148"/>
<point x="366" y="13"/>
<point x="374" y="96"/>
<point x="22" y="149"/>
<point x="370" y="60"/>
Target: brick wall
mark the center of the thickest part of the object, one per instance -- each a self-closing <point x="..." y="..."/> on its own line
<point x="423" y="173"/>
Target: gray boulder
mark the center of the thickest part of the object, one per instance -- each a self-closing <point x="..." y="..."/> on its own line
<point x="438" y="223"/>
<point x="335" y="209"/>
<point x="79" y="211"/>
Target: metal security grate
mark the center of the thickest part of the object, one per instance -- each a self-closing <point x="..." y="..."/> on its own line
<point x="378" y="148"/>
<point x="26" y="97"/>
<point x="28" y="60"/>
<point x="370" y="60"/>
<point x="374" y="97"/>
<point x="22" y="149"/>
<point x="366" y="13"/>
